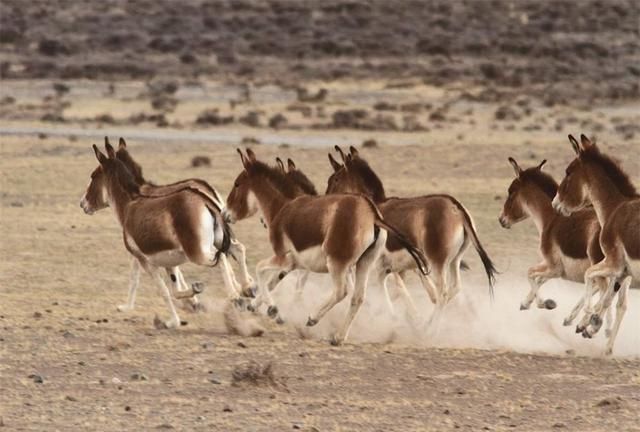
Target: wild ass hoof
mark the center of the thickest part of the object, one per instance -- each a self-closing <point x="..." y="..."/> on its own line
<point x="197" y="287"/>
<point x="311" y="322"/>
<point x="596" y="322"/>
<point x="124" y="308"/>
<point x="272" y="311"/>
<point x="249" y="291"/>
<point x="608" y="351"/>
<point x="586" y="334"/>
<point x="579" y="329"/>
<point x="239" y="303"/>
<point x="335" y="341"/>
<point x="567" y="322"/>
<point x="549" y="304"/>
<point x="523" y="306"/>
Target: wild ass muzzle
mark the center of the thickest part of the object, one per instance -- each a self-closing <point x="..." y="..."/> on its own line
<point x="595" y="178"/>
<point x="323" y="234"/>
<point x="438" y="224"/>
<point x="160" y="232"/>
<point x="569" y="245"/>
<point x="236" y="249"/>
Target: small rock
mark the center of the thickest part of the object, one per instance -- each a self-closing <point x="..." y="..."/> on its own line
<point x="68" y="335"/>
<point x="227" y="409"/>
<point x="36" y="378"/>
<point x="214" y="381"/>
<point x="116" y="380"/>
<point x="137" y="376"/>
<point x="241" y="345"/>
<point x="127" y="408"/>
<point x="201" y="418"/>
<point x="446" y="412"/>
<point x="164" y="426"/>
<point x="71" y="398"/>
<point x="37" y="315"/>
<point x="16" y="204"/>
<point x="559" y="425"/>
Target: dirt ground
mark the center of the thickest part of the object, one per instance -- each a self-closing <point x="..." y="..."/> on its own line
<point x="440" y="113"/>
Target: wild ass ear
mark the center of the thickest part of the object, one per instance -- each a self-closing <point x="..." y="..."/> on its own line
<point x="516" y="167"/>
<point x="99" y="155"/>
<point x="251" y="155"/>
<point x="111" y="152"/>
<point x="586" y="142"/>
<point x="541" y="164"/>
<point x="291" y="165"/>
<point x="106" y="140"/>
<point x="348" y="160"/>
<point x="245" y="161"/>
<point x="122" y="144"/>
<point x="339" y="150"/>
<point x="334" y="164"/>
<point x="354" y="152"/>
<point x="280" y="165"/>
<point x="574" y="144"/>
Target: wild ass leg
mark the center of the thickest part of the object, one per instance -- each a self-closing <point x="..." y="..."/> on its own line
<point x="440" y="277"/>
<point x="339" y="277"/>
<point x="383" y="279"/>
<point x="430" y="288"/>
<point x="537" y="276"/>
<point x="154" y="272"/>
<point x="454" y="283"/>
<point x="134" y="281"/>
<point x="247" y="284"/>
<point x="179" y="285"/>
<point x="269" y="272"/>
<point x="599" y="285"/>
<point x="621" y="309"/>
<point x="301" y="281"/>
<point x="227" y="279"/>
<point x="363" y="267"/>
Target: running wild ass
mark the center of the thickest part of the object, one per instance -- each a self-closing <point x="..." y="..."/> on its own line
<point x="568" y="244"/>
<point x="594" y="178"/>
<point x="438" y="224"/>
<point x="160" y="232"/>
<point x="236" y="249"/>
<point x="323" y="234"/>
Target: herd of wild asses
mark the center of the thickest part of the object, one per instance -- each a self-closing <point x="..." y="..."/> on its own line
<point x="589" y="228"/>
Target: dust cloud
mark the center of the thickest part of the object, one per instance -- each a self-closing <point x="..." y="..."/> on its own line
<point x="471" y="320"/>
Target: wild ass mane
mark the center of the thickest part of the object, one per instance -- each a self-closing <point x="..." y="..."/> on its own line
<point x="369" y="177"/>
<point x="611" y="169"/>
<point x="303" y="182"/>
<point x="275" y="176"/>
<point x="541" y="179"/>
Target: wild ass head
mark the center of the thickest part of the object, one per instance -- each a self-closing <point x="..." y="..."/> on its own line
<point x="111" y="178"/>
<point x="529" y="184"/>
<point x="354" y="175"/>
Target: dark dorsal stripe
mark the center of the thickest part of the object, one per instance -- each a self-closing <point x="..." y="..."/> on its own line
<point x="611" y="169"/>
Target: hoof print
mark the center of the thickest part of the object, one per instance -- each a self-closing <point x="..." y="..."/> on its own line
<point x="311" y="322"/>
<point x="549" y="304"/>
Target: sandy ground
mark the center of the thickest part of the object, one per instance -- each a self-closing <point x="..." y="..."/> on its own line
<point x="488" y="365"/>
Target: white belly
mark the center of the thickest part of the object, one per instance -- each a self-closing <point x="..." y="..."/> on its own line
<point x="634" y="268"/>
<point x="397" y="261"/>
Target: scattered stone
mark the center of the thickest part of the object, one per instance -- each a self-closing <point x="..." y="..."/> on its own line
<point x="16" y="204"/>
<point x="255" y="374"/>
<point x="37" y="314"/>
<point x="559" y="425"/>
<point x="137" y="376"/>
<point x="227" y="408"/>
<point x="370" y="143"/>
<point x="200" y="161"/>
<point x="68" y="335"/>
<point x="164" y="426"/>
<point x="446" y="412"/>
<point x="37" y="378"/>
<point x="611" y="403"/>
<point x="214" y="381"/>
<point x="127" y="408"/>
<point x="212" y="117"/>
<point x="71" y="398"/>
<point x="242" y="345"/>
<point x="116" y="380"/>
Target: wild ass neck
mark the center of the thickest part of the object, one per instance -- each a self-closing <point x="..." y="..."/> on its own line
<point x="270" y="199"/>
<point x="120" y="198"/>
<point x="540" y="209"/>
<point x="604" y="195"/>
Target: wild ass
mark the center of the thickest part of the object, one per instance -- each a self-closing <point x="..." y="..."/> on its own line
<point x="438" y="224"/>
<point x="568" y="244"/>
<point x="323" y="234"/>
<point x="236" y="249"/>
<point x="168" y="231"/>
<point x="594" y="178"/>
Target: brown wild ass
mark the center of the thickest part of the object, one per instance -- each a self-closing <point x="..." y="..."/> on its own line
<point x="236" y="249"/>
<point x="160" y="232"/>
<point x="323" y="234"/>
<point x="594" y="178"/>
<point x="568" y="244"/>
<point x="438" y="224"/>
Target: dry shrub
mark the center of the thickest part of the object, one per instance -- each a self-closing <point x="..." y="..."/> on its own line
<point x="254" y="373"/>
<point x="200" y="161"/>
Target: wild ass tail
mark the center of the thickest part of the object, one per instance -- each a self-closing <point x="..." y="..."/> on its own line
<point x="470" y="230"/>
<point x="415" y="253"/>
